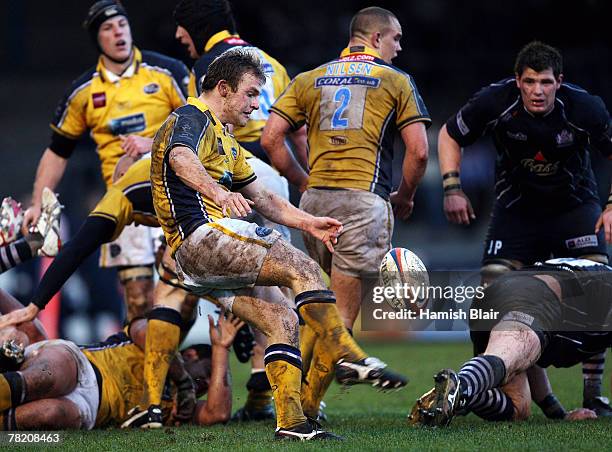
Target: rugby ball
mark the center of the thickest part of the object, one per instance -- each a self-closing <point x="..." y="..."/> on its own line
<point x="404" y="271"/>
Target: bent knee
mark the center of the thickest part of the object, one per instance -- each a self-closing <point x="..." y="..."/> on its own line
<point x="495" y="268"/>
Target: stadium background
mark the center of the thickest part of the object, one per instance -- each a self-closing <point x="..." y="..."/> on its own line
<point x="452" y="48"/>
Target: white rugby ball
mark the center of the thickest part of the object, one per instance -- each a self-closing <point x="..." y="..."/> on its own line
<point x="404" y="271"/>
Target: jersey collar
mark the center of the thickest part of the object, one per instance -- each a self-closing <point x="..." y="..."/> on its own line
<point x="196" y="102"/>
<point x="217" y="38"/>
<point x="359" y="50"/>
<point x="111" y="77"/>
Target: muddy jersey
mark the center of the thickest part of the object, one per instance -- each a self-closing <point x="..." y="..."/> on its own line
<point x="354" y="106"/>
<point x="108" y="106"/>
<point x="129" y="199"/>
<point x="276" y="81"/>
<point x="119" y="363"/>
<point x="181" y="209"/>
<point x="542" y="161"/>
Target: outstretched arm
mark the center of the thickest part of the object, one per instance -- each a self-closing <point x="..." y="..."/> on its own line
<point x="50" y="171"/>
<point x="218" y="405"/>
<point x="279" y="210"/>
<point x="94" y="232"/>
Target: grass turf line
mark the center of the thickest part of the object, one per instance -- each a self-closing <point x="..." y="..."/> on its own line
<point x="371" y="420"/>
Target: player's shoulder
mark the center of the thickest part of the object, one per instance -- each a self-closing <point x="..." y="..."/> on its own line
<point x="189" y="118"/>
<point x="502" y="93"/>
<point x="581" y="107"/>
<point x="157" y="60"/>
<point x="83" y="81"/>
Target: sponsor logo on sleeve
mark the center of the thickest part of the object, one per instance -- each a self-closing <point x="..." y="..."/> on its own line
<point x="585" y="241"/>
<point x="463" y="128"/>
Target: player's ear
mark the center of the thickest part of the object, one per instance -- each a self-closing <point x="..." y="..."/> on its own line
<point x="517" y="77"/>
<point x="223" y="88"/>
<point x="560" y="79"/>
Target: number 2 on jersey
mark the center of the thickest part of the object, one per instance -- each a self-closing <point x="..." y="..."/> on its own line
<point x="343" y="95"/>
<point x="342" y="108"/>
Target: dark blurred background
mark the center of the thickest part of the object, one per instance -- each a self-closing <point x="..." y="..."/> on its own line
<point x="451" y="47"/>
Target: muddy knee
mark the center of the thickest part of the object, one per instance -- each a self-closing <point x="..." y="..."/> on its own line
<point x="138" y="285"/>
<point x="283" y="325"/>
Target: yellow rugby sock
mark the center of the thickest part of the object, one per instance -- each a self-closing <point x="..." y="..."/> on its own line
<point x="12" y="390"/>
<point x="319" y="377"/>
<point x="284" y="370"/>
<point x="307" y="342"/>
<point x="163" y="333"/>
<point x="319" y="311"/>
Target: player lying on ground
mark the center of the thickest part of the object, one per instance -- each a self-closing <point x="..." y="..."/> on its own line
<point x="42" y="239"/>
<point x="61" y="386"/>
<point x="557" y="313"/>
<point x="199" y="176"/>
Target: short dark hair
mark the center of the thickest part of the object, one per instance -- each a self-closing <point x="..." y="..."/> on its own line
<point x="204" y="351"/>
<point x="230" y="66"/>
<point x="370" y="19"/>
<point x="539" y="57"/>
<point x="203" y="18"/>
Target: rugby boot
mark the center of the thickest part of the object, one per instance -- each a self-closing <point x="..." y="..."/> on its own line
<point x="369" y="370"/>
<point x="308" y="431"/>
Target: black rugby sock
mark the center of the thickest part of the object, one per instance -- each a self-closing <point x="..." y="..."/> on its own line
<point x="592" y="373"/>
<point x="480" y="374"/>
<point x="493" y="405"/>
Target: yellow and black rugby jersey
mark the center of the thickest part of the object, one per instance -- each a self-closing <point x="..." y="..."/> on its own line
<point x="129" y="199"/>
<point x="354" y="106"/>
<point x="180" y="209"/>
<point x="107" y="105"/>
<point x="120" y="364"/>
<point x="277" y="80"/>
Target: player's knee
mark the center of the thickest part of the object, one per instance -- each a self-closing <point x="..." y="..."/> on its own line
<point x="284" y="320"/>
<point x="60" y="415"/>
<point x="138" y="295"/>
<point x="308" y="275"/>
<point x="522" y="410"/>
<point x="494" y="269"/>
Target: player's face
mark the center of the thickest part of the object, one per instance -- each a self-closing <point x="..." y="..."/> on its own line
<point x="115" y="38"/>
<point x="241" y="103"/>
<point x="199" y="370"/>
<point x="389" y="41"/>
<point x="538" y="90"/>
<point x="184" y="38"/>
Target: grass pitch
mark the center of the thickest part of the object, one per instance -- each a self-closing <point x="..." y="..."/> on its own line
<point x="371" y="420"/>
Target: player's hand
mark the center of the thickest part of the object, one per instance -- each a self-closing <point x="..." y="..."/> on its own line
<point x="402" y="207"/>
<point x="580" y="414"/>
<point x="224" y="332"/>
<point x="233" y="203"/>
<point x="123" y="165"/>
<point x="458" y="208"/>
<point x="30" y="218"/>
<point x="325" y="229"/>
<point x="135" y="145"/>
<point x="19" y="316"/>
<point x="605" y="221"/>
